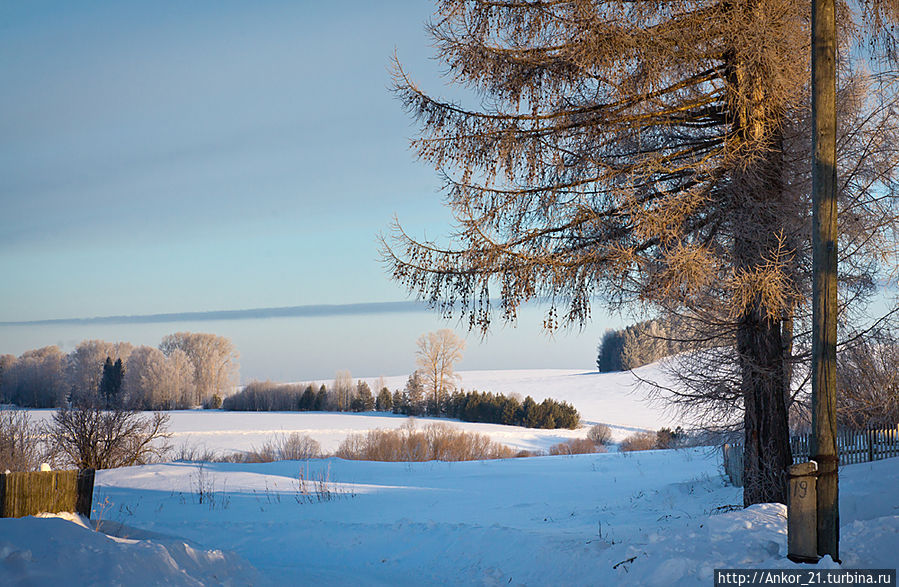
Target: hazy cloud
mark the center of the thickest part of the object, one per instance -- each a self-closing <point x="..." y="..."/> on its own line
<point x="254" y="313"/>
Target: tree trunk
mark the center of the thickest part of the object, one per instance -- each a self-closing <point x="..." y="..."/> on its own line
<point x="824" y="268"/>
<point x="786" y="330"/>
<point x="767" y="438"/>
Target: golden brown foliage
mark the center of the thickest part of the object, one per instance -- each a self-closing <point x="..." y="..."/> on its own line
<point x="576" y="446"/>
<point x="639" y="441"/>
<point x="658" y="152"/>
<point x="436" y="442"/>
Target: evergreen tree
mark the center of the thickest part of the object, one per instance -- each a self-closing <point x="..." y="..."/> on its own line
<point x="363" y="401"/>
<point x="608" y="353"/>
<point x="384" y="402"/>
<point x="111" y="381"/>
<point x="399" y="403"/>
<point x="321" y="398"/>
<point x="307" y="400"/>
<point x="414" y="395"/>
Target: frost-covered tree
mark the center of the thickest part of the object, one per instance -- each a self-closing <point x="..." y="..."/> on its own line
<point x="85" y="366"/>
<point x="7" y="362"/>
<point x="37" y="379"/>
<point x="154" y="381"/>
<point x="214" y="360"/>
<point x="342" y="392"/>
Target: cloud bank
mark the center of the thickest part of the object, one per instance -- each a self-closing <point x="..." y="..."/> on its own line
<point x="321" y="310"/>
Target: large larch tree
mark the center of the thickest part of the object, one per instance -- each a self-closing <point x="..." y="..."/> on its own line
<point x="638" y="151"/>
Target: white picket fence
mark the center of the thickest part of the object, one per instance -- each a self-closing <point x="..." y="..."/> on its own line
<point x="854" y="446"/>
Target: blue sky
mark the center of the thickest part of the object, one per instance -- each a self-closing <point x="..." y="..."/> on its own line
<point x="173" y="157"/>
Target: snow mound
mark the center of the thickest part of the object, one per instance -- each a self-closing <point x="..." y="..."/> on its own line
<point x="61" y="549"/>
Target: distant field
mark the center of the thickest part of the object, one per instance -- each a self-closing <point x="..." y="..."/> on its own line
<point x="614" y="399"/>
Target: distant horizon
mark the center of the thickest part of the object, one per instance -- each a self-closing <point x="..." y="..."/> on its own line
<point x="299" y="344"/>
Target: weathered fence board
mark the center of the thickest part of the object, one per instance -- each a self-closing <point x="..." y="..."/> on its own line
<point x="27" y="494"/>
<point x="854" y="446"/>
<point x="733" y="463"/>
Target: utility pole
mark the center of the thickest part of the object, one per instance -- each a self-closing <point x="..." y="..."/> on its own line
<point x="824" y="269"/>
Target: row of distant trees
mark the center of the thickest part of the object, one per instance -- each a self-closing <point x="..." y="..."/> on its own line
<point x="474" y="406"/>
<point x="344" y="395"/>
<point x="186" y="369"/>
<point x="638" y="345"/>
<point x="431" y="390"/>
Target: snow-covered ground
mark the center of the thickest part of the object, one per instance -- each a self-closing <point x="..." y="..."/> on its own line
<point x="652" y="518"/>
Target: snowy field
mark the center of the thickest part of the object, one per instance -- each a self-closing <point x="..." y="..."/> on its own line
<point x="651" y="518"/>
<point x="615" y="399"/>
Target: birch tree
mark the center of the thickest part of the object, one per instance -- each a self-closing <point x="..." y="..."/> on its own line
<point x="436" y="357"/>
<point x="214" y="359"/>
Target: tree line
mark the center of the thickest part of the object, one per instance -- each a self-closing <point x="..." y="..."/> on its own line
<point x="187" y="369"/>
<point x="637" y="345"/>
<point x="413" y="400"/>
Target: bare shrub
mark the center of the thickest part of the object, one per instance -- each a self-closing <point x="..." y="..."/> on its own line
<point x="600" y="434"/>
<point x="267" y="453"/>
<point x="639" y="441"/>
<point x="292" y="447"/>
<point x="668" y="438"/>
<point x="576" y="446"/>
<point x="298" y="447"/>
<point x="193" y="454"/>
<point x="91" y="438"/>
<point x="21" y="448"/>
<point x="436" y="442"/>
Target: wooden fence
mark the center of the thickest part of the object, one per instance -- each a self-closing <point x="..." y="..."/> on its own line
<point x="733" y="463"/>
<point x="27" y="494"/>
<point x="854" y="446"/>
